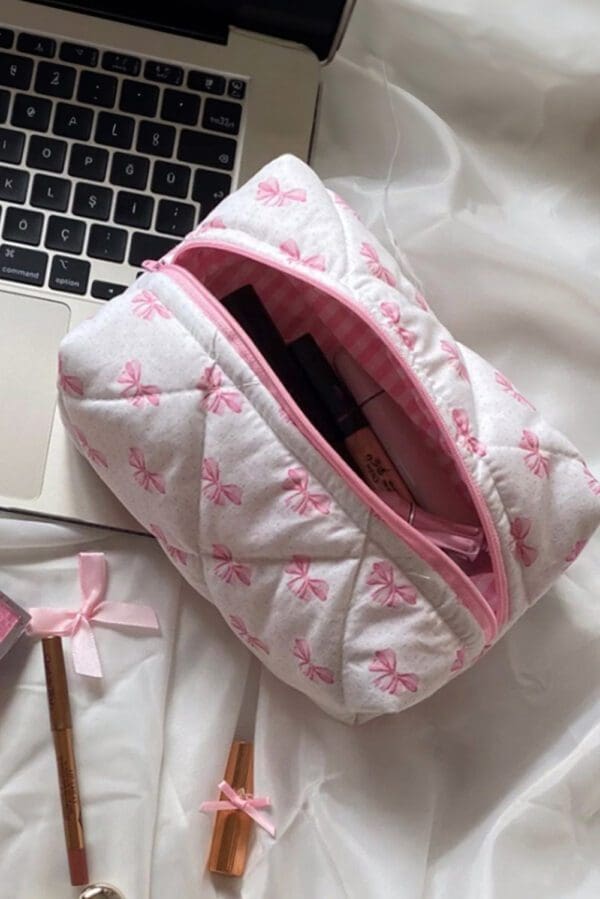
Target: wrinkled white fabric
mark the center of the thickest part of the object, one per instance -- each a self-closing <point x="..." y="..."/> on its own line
<point x="490" y="788"/>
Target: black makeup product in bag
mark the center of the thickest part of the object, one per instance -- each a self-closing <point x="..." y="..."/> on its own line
<point x="248" y="310"/>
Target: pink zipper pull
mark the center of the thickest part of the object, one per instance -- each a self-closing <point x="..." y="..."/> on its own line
<point x="152" y="265"/>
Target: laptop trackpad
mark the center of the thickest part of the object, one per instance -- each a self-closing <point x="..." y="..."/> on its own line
<point x="30" y="332"/>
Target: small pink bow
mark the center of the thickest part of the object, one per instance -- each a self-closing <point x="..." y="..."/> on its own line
<point x="94" y="609"/>
<point x="246" y="804"/>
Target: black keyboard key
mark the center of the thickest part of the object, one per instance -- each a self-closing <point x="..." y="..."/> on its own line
<point x="36" y="45"/>
<point x="46" y="153"/>
<point x="206" y="149"/>
<point x="13" y="184"/>
<point x="139" y="98"/>
<point x="209" y="189"/>
<point x="107" y="243"/>
<point x="22" y="226"/>
<point x="4" y="102"/>
<point x="155" y="139"/>
<point x="11" y="145"/>
<point x="106" y="290"/>
<point x="129" y="171"/>
<point x="97" y="89"/>
<point x="170" y="179"/>
<point x="205" y="81"/>
<point x="31" y="112"/>
<point x="92" y="201"/>
<point x="55" y="80"/>
<point x="65" y="234"/>
<point x="50" y="193"/>
<point x="70" y="275"/>
<point x="121" y="63"/>
<point x="180" y="107"/>
<point x="24" y="266"/>
<point x="88" y="162"/>
<point x="221" y="115"/>
<point x="175" y="218"/>
<point x="15" y="71"/>
<point x="114" y="130"/>
<point x="6" y="38"/>
<point x="163" y="72"/>
<point x="73" y="121"/>
<point x="148" y="246"/>
<point x="133" y="209"/>
<point x="78" y="53"/>
<point x="236" y="89"/>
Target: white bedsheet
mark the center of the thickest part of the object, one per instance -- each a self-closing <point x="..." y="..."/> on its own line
<point x="489" y="129"/>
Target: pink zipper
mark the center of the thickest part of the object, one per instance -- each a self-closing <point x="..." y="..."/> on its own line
<point x="457" y="579"/>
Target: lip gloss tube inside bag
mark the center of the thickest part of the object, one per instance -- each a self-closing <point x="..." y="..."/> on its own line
<point x="372" y="459"/>
<point x="366" y="450"/>
<point x="415" y="461"/>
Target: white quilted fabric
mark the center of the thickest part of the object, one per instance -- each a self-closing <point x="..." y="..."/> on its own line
<point x="362" y="618"/>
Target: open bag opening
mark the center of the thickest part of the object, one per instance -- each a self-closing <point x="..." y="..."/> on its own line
<point x="299" y="306"/>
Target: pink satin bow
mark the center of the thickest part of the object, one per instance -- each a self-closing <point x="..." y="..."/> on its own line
<point x="246" y="804"/>
<point x="94" y="609"/>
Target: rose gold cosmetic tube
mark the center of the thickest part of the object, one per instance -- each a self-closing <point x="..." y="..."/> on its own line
<point x="60" y="722"/>
<point x="231" y="834"/>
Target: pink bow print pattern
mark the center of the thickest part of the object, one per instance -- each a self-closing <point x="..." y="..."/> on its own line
<point x="68" y="383"/>
<point x="94" y="455"/>
<point x="271" y="193"/>
<point x="239" y="626"/>
<point x="214" y="489"/>
<point x="389" y="593"/>
<point x="301" y="500"/>
<point x="389" y="679"/>
<point x="536" y="461"/>
<point x="292" y="251"/>
<point x="178" y="555"/>
<point x="452" y="351"/>
<point x="228" y="570"/>
<point x="215" y="222"/>
<point x="313" y="672"/>
<point x="391" y="311"/>
<point x="519" y="531"/>
<point x="421" y="301"/>
<point x="575" y="551"/>
<point x="94" y="610"/>
<point x="509" y="388"/>
<point x="216" y="398"/>
<point x="343" y="205"/>
<point x="135" y="392"/>
<point x="465" y="435"/>
<point x="374" y="264"/>
<point x="146" y="305"/>
<point x="593" y="482"/>
<point x="149" y="480"/>
<point x="459" y="660"/>
<point x="302" y="584"/>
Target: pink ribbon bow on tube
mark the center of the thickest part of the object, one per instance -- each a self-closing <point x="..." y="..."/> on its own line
<point x="94" y="610"/>
<point x="246" y="804"/>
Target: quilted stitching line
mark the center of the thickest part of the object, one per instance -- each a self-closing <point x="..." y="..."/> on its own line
<point x="358" y="569"/>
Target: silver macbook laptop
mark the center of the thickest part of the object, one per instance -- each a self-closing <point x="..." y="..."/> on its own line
<point x="121" y="127"/>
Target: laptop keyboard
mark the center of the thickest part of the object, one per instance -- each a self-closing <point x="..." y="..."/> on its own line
<point x="105" y="157"/>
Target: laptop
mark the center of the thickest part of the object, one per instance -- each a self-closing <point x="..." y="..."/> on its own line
<point x="122" y="124"/>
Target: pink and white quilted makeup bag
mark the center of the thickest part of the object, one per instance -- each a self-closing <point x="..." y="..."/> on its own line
<point x="186" y="422"/>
